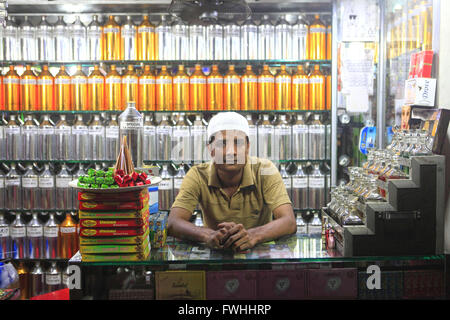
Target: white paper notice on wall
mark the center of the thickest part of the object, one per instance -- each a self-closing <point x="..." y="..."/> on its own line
<point x="358" y="100"/>
<point x="359" y="20"/>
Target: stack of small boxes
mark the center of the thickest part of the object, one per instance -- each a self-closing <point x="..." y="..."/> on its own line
<point x="114" y="226"/>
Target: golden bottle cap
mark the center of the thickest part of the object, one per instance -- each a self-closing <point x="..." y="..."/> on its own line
<point x="181" y="67"/>
<point x="147" y="68"/>
<point x="248" y="67"/>
<point x="198" y="67"/>
<point x="163" y="68"/>
<point x="265" y="67"/>
<point x="231" y="67"/>
<point x="283" y="67"/>
<point x="28" y="67"/>
<point x="45" y="67"/>
<point x="130" y="67"/>
<point x="78" y="67"/>
<point x="215" y="67"/>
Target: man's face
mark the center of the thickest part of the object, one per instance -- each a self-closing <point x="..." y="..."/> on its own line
<point x="229" y="150"/>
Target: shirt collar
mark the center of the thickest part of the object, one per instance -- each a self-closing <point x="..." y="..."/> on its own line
<point x="247" y="178"/>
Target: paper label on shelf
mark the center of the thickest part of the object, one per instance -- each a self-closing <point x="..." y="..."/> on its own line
<point x="78" y="81"/>
<point x="95" y="81"/>
<point x="4" y="232"/>
<point x="112" y="132"/>
<point x="113" y="80"/>
<point x="52" y="279"/>
<point x="46" y="182"/>
<point x="63" y="182"/>
<point x="35" y="231"/>
<point x="146" y="29"/>
<point x="68" y="229"/>
<point x="30" y="182"/>
<point x="163" y="81"/>
<point x="266" y="80"/>
<point x="147" y="81"/>
<point x="316" y="183"/>
<point x="18" y="232"/>
<point x="51" y="232"/>
<point x="165" y="184"/>
<point x="198" y="81"/>
<point x="11" y="81"/>
<point x="125" y="125"/>
<point x="62" y="81"/>
<point x="300" y="183"/>
<point x="111" y="30"/>
<point x="12" y="130"/>
<point x="14" y="182"/>
<point x="180" y="80"/>
<point x="27" y="81"/>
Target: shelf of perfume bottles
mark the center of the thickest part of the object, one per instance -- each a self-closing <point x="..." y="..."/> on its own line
<point x="148" y="112"/>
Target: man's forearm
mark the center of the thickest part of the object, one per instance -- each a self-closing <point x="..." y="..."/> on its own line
<point x="273" y="230"/>
<point x="183" y="229"/>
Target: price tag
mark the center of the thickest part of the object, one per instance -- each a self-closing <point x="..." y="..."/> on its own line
<point x="53" y="279"/>
<point x="30" y="182"/>
<point x="17" y="232"/>
<point x="13" y="182"/>
<point x="35" y="232"/>
<point x="46" y="182"/>
<point x="68" y="229"/>
<point x="63" y="182"/>
<point x="300" y="183"/>
<point x="316" y="183"/>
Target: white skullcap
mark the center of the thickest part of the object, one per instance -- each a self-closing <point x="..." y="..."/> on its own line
<point x="227" y="121"/>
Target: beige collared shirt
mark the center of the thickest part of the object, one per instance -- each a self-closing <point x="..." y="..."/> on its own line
<point x="261" y="191"/>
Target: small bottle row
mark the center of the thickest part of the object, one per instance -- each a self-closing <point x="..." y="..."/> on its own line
<point x="113" y="39"/>
<point x="44" y="236"/>
<point x="205" y="88"/>
<point x="176" y="138"/>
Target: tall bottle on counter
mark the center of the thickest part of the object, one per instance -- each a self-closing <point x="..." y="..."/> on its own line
<point x="197" y="41"/>
<point x="165" y="188"/>
<point x="180" y="41"/>
<point x="18" y="235"/>
<point x="266" y="139"/>
<point x="63" y="94"/>
<point x="300" y="189"/>
<point x="164" y="91"/>
<point x="30" y="191"/>
<point x="111" y="39"/>
<point x="146" y="45"/>
<point x="283" y="39"/>
<point x="47" y="189"/>
<point x="51" y="229"/>
<point x="78" y="40"/>
<point x="29" y="133"/>
<point x="249" y="40"/>
<point x="27" y="40"/>
<point x="300" y="32"/>
<point x="164" y="40"/>
<point x="198" y="135"/>
<point x="94" y="40"/>
<point x="112" y="139"/>
<point x="266" y="39"/>
<point x="35" y="238"/>
<point x="45" y="40"/>
<point x="67" y="238"/>
<point x="80" y="139"/>
<point x="63" y="192"/>
<point x="13" y="189"/>
<point x="46" y="139"/>
<point x="129" y="44"/>
<point x="149" y="140"/>
<point x="5" y="238"/>
<point x="214" y="38"/>
<point x="131" y="125"/>
<point x="164" y="134"/>
<point x="96" y="132"/>
<point x="283" y="139"/>
<point x="62" y="41"/>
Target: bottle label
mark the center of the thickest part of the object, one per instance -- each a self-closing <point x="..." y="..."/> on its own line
<point x="231" y="80"/>
<point x="181" y="132"/>
<point x="287" y="183"/>
<point x="44" y="82"/>
<point x="265" y="80"/>
<point x="42" y="33"/>
<point x="11" y="81"/>
<point x="163" y="81"/>
<point x="165" y="184"/>
<point x="112" y="132"/>
<point x="35" y="232"/>
<point x="267" y="32"/>
<point x="4" y="232"/>
<point x="300" y="183"/>
<point x="2" y="183"/>
<point x="62" y="81"/>
<point x="316" y="130"/>
<point x="51" y="232"/>
<point x="177" y="183"/>
<point x="77" y="33"/>
<point x="283" y="80"/>
<point x="146" y="29"/>
<point x="283" y="131"/>
<point x="147" y="81"/>
<point x="27" y="81"/>
<point x="125" y="125"/>
<point x="80" y="130"/>
<point x="300" y="32"/>
<point x="46" y="182"/>
<point x="78" y="81"/>
<point x="215" y="80"/>
<point x="196" y="31"/>
<point x="128" y="33"/>
<point x="18" y="232"/>
<point x="217" y="33"/>
<point x="96" y="131"/>
<point x="283" y="29"/>
<point x="68" y="229"/>
<point x="95" y="81"/>
<point x="163" y="130"/>
<point x="318" y="30"/>
<point x="198" y="131"/>
<point x="252" y="131"/>
<point x="249" y="29"/>
<point x="233" y="33"/>
<point x="300" y="81"/>
<point x="198" y="81"/>
<point x="30" y="182"/>
<point x="94" y="33"/>
<point x="263" y="130"/>
<point x="316" y="183"/>
<point x="63" y="182"/>
<point x="249" y="80"/>
<point x="53" y="279"/>
<point x="316" y="80"/>
<point x="180" y="80"/>
<point x="14" y="182"/>
<point x="148" y="130"/>
<point x="163" y="29"/>
<point x="129" y="80"/>
<point x="111" y="30"/>
<point x="112" y="80"/>
<point x="27" y="34"/>
<point x="300" y="129"/>
<point x="47" y="130"/>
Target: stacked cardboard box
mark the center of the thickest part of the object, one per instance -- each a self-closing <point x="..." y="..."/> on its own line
<point x="114" y="226"/>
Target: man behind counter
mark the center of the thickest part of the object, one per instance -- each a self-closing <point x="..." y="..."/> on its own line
<point x="237" y="193"/>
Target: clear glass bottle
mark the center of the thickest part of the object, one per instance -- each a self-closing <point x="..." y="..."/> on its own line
<point x="131" y="125"/>
<point x="128" y="40"/>
<point x="249" y="40"/>
<point x="317" y="139"/>
<point x="80" y="139"/>
<point x="266" y="39"/>
<point x="165" y="40"/>
<point x="10" y="40"/>
<point x="5" y="238"/>
<point x="299" y="40"/>
<point x="35" y="238"/>
<point x="14" y="150"/>
<point x="62" y="40"/>
<point x="214" y="38"/>
<point x="78" y="40"/>
<point x="164" y="132"/>
<point x="283" y="39"/>
<point x="252" y="136"/>
<point x="199" y="136"/>
<point x="45" y="41"/>
<point x="51" y="229"/>
<point x="37" y="280"/>
<point x="96" y="131"/>
<point x="28" y="40"/>
<point x="94" y="40"/>
<point x="18" y="235"/>
<point x="149" y="140"/>
<point x="30" y="192"/>
<point x="63" y="191"/>
<point x="46" y="139"/>
<point x="112" y="139"/>
<point x="53" y="278"/>
<point x="165" y="190"/>
<point x="63" y="142"/>
<point x="266" y="139"/>
<point x="181" y="142"/>
<point x="300" y="189"/>
<point x="30" y="139"/>
<point x="316" y="184"/>
<point x="197" y="41"/>
<point x="47" y="189"/>
<point x="287" y="180"/>
<point x="232" y="41"/>
<point x="300" y="139"/>
<point x="283" y="139"/>
<point x="13" y="188"/>
<point x="2" y="190"/>
<point x="177" y="180"/>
